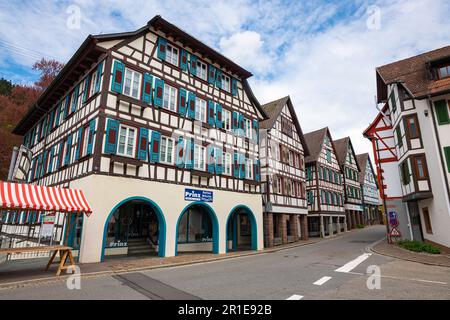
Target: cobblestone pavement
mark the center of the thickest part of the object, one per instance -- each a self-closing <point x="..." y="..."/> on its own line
<point x="21" y="272"/>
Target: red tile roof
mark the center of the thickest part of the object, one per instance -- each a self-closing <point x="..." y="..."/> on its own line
<point x="415" y="74"/>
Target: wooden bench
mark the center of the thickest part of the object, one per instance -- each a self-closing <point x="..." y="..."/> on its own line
<point x="64" y="253"/>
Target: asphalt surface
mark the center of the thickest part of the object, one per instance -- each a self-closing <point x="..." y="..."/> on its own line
<point x="338" y="268"/>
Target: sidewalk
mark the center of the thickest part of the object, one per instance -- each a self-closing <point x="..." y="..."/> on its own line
<point x="25" y="272"/>
<point x="395" y="251"/>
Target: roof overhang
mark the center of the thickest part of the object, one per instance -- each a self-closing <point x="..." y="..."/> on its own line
<point x="80" y="62"/>
<point x="158" y="23"/>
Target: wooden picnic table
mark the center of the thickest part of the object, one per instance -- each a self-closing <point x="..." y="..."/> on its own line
<point x="64" y="253"/>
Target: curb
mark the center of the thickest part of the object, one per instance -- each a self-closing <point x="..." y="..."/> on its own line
<point x="406" y="259"/>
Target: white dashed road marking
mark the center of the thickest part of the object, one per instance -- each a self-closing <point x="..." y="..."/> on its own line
<point x="295" y="297"/>
<point x="354" y="263"/>
<point x="321" y="281"/>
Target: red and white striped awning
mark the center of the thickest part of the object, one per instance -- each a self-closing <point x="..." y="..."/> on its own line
<point x="18" y="196"/>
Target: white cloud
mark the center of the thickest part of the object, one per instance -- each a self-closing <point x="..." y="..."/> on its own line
<point x="246" y="48"/>
<point x="322" y="54"/>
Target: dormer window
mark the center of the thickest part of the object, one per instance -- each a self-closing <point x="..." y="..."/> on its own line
<point x="444" y="72"/>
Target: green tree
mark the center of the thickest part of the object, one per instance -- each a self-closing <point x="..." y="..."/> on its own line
<point x="5" y="87"/>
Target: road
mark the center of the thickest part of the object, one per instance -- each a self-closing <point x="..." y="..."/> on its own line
<point x="332" y="269"/>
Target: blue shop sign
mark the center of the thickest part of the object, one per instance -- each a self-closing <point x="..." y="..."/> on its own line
<point x="198" y="195"/>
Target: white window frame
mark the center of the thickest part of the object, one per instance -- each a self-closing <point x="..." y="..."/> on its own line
<point x="249" y="169"/>
<point x="202" y="70"/>
<point x="134" y="75"/>
<point x="199" y="153"/>
<point x="293" y="188"/>
<point x="164" y="152"/>
<point x="93" y="80"/>
<point x="61" y="111"/>
<point x="226" y="83"/>
<point x="168" y="97"/>
<point x="200" y="109"/>
<point x="226" y="119"/>
<point x="126" y="143"/>
<point x="72" y="98"/>
<point x="226" y="163"/>
<point x="172" y="54"/>
<point x="87" y="132"/>
<point x="248" y="128"/>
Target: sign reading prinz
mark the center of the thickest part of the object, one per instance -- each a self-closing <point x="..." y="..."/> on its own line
<point x="198" y="195"/>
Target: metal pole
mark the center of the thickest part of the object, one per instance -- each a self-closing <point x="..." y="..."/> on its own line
<point x="381" y="188"/>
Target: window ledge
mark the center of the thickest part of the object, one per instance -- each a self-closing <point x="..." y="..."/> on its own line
<point x="201" y="173"/>
<point x="126" y="160"/>
<point x="252" y="182"/>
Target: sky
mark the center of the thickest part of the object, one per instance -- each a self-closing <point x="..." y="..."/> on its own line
<point x="323" y="54"/>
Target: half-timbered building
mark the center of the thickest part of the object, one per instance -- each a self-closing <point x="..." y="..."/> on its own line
<point x="381" y="135"/>
<point x="369" y="190"/>
<point x="416" y="92"/>
<point x="324" y="186"/>
<point x="283" y="150"/>
<point x="353" y="200"/>
<point x="161" y="133"/>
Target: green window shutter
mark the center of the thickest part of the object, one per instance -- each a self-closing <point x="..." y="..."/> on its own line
<point x="147" y="88"/>
<point x="180" y="153"/>
<point x="406" y="177"/>
<point x="442" y="112"/>
<point x="143" y="144"/>
<point x="191" y="105"/>
<point x="234" y="88"/>
<point x="182" y="95"/>
<point x="183" y="60"/>
<point x="393" y="102"/>
<point x="91" y="136"/>
<point x="112" y="131"/>
<point x="162" y="45"/>
<point x="99" y="77"/>
<point x="447" y="157"/>
<point x="212" y="74"/>
<point x="155" y="146"/>
<point x="399" y="136"/>
<point x="159" y="93"/>
<point x="193" y="68"/>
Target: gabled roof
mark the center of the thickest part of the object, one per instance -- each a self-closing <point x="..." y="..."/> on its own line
<point x="342" y="146"/>
<point x="314" y="141"/>
<point x="89" y="52"/>
<point x="80" y="62"/>
<point x="170" y="29"/>
<point x="273" y="110"/>
<point x="415" y="74"/>
<point x="362" y="161"/>
<point x="384" y="112"/>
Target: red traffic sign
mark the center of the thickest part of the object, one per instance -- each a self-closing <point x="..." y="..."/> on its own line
<point x="395" y="233"/>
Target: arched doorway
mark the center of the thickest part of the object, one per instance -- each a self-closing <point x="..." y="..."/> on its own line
<point x="241" y="229"/>
<point x="136" y="226"/>
<point x="197" y="229"/>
